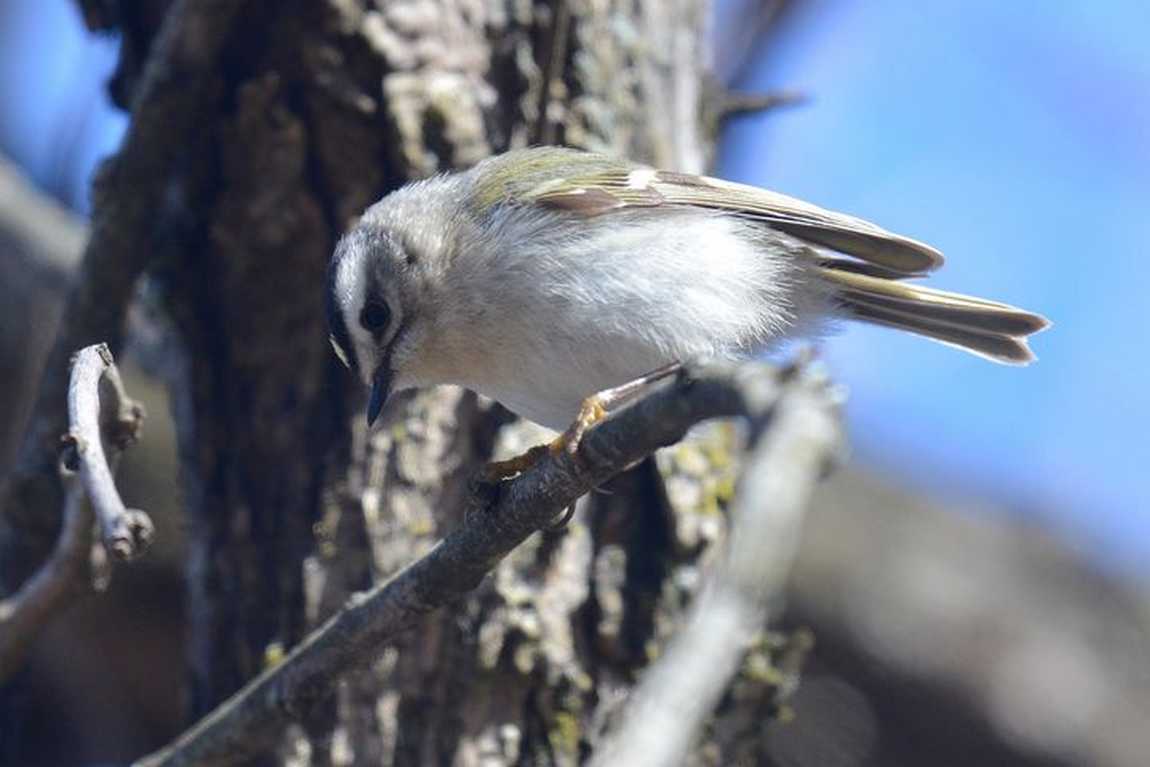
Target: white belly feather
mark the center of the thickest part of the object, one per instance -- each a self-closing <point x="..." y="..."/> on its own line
<point x="616" y="301"/>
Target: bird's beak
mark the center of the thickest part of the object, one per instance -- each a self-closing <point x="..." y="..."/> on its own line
<point x="380" y="391"/>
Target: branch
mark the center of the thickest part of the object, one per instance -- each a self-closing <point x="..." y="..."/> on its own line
<point x="499" y="519"/>
<point x="25" y="613"/>
<point x="128" y="196"/>
<point x="126" y="532"/>
<point x="100" y="413"/>
<point x="681" y="690"/>
<point x="735" y="103"/>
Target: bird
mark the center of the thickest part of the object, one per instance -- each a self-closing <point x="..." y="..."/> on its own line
<point x="556" y="281"/>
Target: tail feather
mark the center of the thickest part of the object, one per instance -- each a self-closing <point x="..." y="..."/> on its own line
<point x="989" y="329"/>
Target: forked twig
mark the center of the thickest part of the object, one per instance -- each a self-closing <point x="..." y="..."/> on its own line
<point x="103" y="421"/>
<point x="99" y="411"/>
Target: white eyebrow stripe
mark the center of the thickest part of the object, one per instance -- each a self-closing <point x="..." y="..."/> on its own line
<point x="350" y="283"/>
<point x="339" y="351"/>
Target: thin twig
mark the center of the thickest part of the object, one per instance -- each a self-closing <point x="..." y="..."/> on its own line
<point x="100" y="410"/>
<point x="128" y="196"/>
<point x="735" y="103"/>
<point x="683" y="687"/>
<point x="101" y="414"/>
<point x="551" y="91"/>
<point x="44" y="595"/>
<point x="499" y="519"/>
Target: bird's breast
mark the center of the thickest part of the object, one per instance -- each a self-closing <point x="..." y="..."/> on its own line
<point x="548" y="320"/>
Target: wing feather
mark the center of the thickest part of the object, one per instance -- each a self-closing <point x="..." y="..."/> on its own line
<point x="602" y="191"/>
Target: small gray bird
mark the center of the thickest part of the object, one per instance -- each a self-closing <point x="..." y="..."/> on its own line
<point x="542" y="276"/>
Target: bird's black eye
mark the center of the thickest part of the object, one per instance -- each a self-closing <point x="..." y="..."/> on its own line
<point x="374" y="317"/>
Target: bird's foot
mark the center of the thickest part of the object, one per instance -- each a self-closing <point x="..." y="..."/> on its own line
<point x="563" y="519"/>
<point x="598" y="406"/>
<point x="497" y="471"/>
<point x="592" y="411"/>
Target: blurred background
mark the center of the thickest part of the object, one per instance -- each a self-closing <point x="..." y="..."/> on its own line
<point x="1016" y="138"/>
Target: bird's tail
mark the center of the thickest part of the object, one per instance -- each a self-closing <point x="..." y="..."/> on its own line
<point x="989" y="329"/>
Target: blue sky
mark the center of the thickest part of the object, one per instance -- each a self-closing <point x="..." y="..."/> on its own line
<point x="1014" y="136"/>
<point x="55" y="119"/>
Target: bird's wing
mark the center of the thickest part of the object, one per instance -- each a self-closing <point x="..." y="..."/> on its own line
<point x="603" y="191"/>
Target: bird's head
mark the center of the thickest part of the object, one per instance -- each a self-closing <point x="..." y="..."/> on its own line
<point x="378" y="288"/>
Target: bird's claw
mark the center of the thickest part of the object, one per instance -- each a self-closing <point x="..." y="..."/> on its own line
<point x="591" y="412"/>
<point x="562" y="521"/>
<point x="498" y="471"/>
